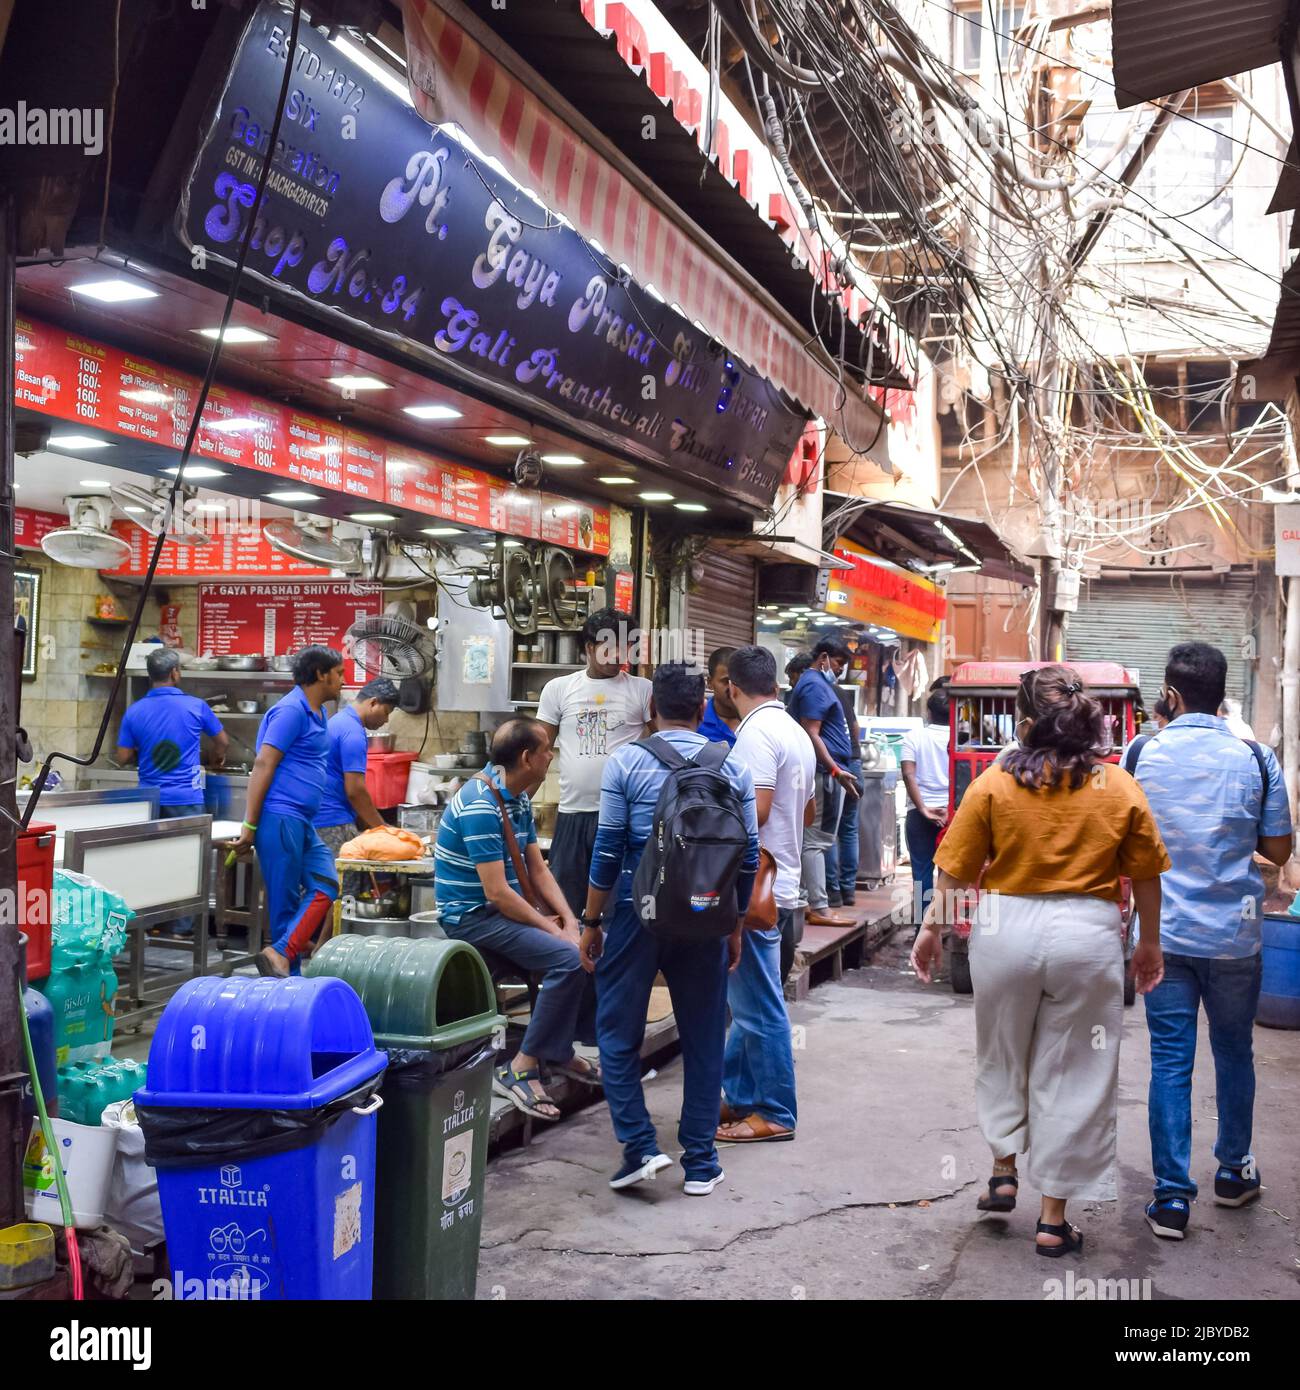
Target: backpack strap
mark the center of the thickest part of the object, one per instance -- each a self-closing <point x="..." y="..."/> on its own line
<point x="713" y="754"/>
<point x="664" y="751"/>
<point x="1133" y="751"/>
<point x="1263" y="772"/>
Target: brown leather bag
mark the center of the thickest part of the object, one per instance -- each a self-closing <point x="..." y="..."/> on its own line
<point x="761" y="913"/>
<point x="526" y="890"/>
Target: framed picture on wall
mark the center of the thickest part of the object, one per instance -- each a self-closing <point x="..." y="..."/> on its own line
<point x="27" y="605"/>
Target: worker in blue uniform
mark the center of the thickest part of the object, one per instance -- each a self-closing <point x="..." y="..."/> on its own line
<point x="284" y="795"/>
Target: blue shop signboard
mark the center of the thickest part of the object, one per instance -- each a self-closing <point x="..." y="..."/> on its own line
<point x="394" y="229"/>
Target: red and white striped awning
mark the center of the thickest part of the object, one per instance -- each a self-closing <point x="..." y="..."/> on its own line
<point x="454" y="79"/>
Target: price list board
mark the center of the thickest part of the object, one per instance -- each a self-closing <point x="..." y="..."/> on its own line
<point x="233" y="550"/>
<point x="277" y="619"/>
<point x="32" y="526"/>
<point x="81" y="381"/>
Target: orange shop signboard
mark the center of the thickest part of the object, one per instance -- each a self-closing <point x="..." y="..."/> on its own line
<point x="873" y="592"/>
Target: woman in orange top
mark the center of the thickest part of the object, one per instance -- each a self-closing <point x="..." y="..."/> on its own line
<point x="1047" y="831"/>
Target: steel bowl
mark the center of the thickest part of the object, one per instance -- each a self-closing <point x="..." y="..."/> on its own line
<point x="241" y="663"/>
<point x="381" y="743"/>
<point x="281" y="663"/>
<point x="425" y="924"/>
<point x="376" y="926"/>
<point x="246" y="706"/>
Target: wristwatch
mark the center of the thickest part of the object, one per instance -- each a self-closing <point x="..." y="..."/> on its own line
<point x="590" y="921"/>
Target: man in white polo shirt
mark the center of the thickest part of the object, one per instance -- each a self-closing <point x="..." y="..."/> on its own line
<point x="588" y="715"/>
<point x="758" y="1069"/>
<point x="924" y="764"/>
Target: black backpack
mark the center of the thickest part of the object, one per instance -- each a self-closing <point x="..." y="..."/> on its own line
<point x="685" y="885"/>
<point x="1134" y="751"/>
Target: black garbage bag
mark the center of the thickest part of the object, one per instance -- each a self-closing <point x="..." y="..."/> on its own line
<point x="183" y="1138"/>
<point x="410" y="1069"/>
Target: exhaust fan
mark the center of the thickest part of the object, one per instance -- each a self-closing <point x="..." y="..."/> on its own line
<point x="300" y="539"/>
<point x="86" y="543"/>
<point x="153" y="511"/>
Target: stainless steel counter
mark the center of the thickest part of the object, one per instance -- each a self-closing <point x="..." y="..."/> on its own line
<point x="235" y="782"/>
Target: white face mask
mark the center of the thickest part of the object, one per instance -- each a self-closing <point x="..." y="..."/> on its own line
<point x="829" y="674"/>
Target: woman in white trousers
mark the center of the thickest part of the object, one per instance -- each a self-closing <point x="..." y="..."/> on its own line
<point x="1047" y="832"/>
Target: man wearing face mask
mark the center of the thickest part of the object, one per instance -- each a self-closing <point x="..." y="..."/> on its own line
<point x="815" y="703"/>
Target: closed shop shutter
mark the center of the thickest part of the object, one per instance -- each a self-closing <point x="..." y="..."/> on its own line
<point x="723" y="606"/>
<point x="1136" y="621"/>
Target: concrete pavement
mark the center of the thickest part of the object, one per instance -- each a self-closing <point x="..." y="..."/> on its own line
<point x="875" y="1198"/>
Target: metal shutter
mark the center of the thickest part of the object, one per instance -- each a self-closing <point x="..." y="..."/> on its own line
<point x="723" y="607"/>
<point x="1136" y="622"/>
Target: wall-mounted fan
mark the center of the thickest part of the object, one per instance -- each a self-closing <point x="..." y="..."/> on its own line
<point x="302" y="539"/>
<point x="86" y="543"/>
<point x="152" y="510"/>
<point x="559" y="582"/>
<point x="511" y="588"/>
<point x="392" y="645"/>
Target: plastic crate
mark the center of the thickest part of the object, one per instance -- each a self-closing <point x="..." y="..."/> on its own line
<point x="35" y="888"/>
<point x="386" y="777"/>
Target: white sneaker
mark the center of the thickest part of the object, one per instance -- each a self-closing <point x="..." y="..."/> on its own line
<point x="695" y="1187"/>
<point x="648" y="1167"/>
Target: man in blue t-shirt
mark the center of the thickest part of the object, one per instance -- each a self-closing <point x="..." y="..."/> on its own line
<point x="815" y="703"/>
<point x="284" y="794"/>
<point x="720" y="716"/>
<point x="163" y="734"/>
<point x="347" y="806"/>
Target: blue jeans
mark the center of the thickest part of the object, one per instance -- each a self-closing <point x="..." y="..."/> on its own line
<point x="1229" y="989"/>
<point x="697" y="981"/>
<point x="842" y="857"/>
<point x="922" y="838"/>
<point x="758" y="1068"/>
<point x="182" y="926"/>
<point x="301" y="880"/>
<point x="565" y="984"/>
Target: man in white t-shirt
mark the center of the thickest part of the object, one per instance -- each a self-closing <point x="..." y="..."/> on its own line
<point x="758" y="1069"/>
<point x="588" y="715"/>
<point x="924" y="764"/>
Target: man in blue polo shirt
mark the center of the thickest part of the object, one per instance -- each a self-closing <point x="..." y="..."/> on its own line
<point x="284" y="794"/>
<point x="516" y="909"/>
<point x="721" y="717"/>
<point x="162" y="733"/>
<point x="815" y="703"/>
<point x="1217" y="800"/>
<point x="347" y="805"/>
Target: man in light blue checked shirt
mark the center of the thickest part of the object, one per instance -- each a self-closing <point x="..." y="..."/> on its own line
<point x="626" y="957"/>
<point x="1217" y="799"/>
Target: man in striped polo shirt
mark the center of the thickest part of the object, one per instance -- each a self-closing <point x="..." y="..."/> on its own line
<point x="481" y="900"/>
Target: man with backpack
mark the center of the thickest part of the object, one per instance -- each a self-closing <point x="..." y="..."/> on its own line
<point x="1216" y="799"/>
<point x="677" y="846"/>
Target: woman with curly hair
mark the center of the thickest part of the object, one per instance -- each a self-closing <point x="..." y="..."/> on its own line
<point x="1047" y="831"/>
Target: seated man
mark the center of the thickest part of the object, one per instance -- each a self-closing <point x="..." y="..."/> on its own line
<point x="495" y="891"/>
<point x="627" y="960"/>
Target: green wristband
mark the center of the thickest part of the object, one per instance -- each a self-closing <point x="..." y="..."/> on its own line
<point x="253" y="828"/>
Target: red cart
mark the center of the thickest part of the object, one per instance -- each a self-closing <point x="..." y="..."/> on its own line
<point x="982" y="719"/>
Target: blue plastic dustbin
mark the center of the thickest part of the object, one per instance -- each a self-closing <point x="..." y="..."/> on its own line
<point x="260" y="1119"/>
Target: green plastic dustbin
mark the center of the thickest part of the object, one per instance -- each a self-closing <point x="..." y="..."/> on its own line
<point x="433" y="1009"/>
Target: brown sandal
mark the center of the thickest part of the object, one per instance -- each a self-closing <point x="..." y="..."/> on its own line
<point x="729" y="1115"/>
<point x="761" y="1131"/>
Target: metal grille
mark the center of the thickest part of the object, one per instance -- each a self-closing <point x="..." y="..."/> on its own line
<point x="988" y="721"/>
<point x="1137" y="621"/>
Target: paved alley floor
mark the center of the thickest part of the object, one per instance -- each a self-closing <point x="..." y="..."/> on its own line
<point x="876" y="1197"/>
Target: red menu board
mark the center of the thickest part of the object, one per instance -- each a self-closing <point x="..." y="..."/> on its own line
<point x="624" y="591"/>
<point x="234" y="550"/>
<point x="31" y="526"/>
<point x="75" y="379"/>
<point x="276" y="619"/>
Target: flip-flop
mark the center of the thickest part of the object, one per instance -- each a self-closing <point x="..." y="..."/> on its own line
<point x="590" y="1077"/>
<point x="764" y="1131"/>
<point x="516" y="1088"/>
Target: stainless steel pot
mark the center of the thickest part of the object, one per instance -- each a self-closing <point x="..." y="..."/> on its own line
<point x="425" y="924"/>
<point x="281" y="663"/>
<point x="566" y="649"/>
<point x="475" y="744"/>
<point x="380" y="743"/>
<point x="376" y="926"/>
<point x="246" y="706"/>
<point x="241" y="663"/>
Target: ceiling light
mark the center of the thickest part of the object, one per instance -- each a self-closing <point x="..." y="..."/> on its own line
<point x="691" y="507"/>
<point x="506" y="441"/>
<point x="432" y="412"/>
<point x="372" y="516"/>
<point x="563" y="460"/>
<point x="441" y="531"/>
<point x="770" y="622"/>
<point x="209" y="506"/>
<point x="512" y="545"/>
<point x="197" y="470"/>
<point x="655" y="496"/>
<point x="234" y="334"/>
<point x="94" y="482"/>
<point x="616" y="480"/>
<point x="294" y="496"/>
<point x="149" y="397"/>
<point x="134" y="509"/>
<point x="237" y="422"/>
<point x="358" y="383"/>
<point x="77" y="441"/>
<point x="114" y="291"/>
<point x="381" y="74"/>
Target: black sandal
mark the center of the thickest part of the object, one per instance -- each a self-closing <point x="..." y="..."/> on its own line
<point x="1071" y="1240"/>
<point x="516" y="1088"/>
<point x="993" y="1202"/>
